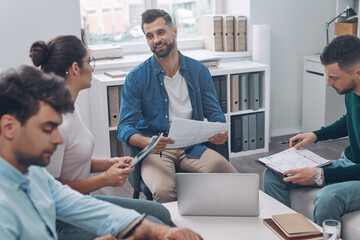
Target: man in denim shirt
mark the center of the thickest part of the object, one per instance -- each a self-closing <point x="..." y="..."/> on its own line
<point x="165" y="86"/>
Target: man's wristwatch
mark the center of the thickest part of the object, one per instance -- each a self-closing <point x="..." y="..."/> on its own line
<point x="319" y="178"/>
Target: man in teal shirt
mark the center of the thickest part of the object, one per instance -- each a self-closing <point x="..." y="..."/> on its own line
<point x="340" y="195"/>
<point x="30" y="198"/>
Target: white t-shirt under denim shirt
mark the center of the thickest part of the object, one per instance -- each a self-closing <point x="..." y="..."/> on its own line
<point x="179" y="100"/>
<point x="72" y="159"/>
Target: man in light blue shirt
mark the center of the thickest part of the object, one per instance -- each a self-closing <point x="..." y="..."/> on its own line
<point x="31" y="199"/>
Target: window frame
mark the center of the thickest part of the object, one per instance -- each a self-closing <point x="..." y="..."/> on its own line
<point x="183" y="44"/>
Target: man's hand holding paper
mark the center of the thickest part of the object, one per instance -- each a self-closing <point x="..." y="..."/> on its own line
<point x="219" y="138"/>
<point x="187" y="132"/>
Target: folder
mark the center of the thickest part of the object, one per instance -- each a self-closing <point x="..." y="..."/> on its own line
<point x="236" y="128"/>
<point x="260" y="129"/>
<point x="228" y="33"/>
<point x="216" y="80"/>
<point x="223" y="94"/>
<point x="114" y="101"/>
<point x="213" y="39"/>
<point x="254" y="90"/>
<point x="116" y="148"/>
<point x="240" y="33"/>
<point x="245" y="132"/>
<point x="244" y="89"/>
<point x="252" y="132"/>
<point x="234" y="97"/>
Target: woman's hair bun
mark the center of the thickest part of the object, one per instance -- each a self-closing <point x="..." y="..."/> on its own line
<point x="39" y="53"/>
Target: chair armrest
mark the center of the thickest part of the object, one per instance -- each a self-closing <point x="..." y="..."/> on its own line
<point x="135" y="176"/>
<point x="223" y="149"/>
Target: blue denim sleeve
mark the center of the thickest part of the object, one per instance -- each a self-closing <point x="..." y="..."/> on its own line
<point x="130" y="110"/>
<point x="87" y="212"/>
<point x="212" y="110"/>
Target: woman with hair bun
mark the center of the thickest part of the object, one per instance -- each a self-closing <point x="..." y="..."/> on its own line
<point x="72" y="163"/>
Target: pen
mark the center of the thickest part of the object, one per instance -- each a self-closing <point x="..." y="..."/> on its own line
<point x="160" y="152"/>
<point x="287" y="142"/>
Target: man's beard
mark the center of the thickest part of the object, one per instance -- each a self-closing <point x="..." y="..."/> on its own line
<point x="28" y="160"/>
<point x="346" y="90"/>
<point x="166" y="52"/>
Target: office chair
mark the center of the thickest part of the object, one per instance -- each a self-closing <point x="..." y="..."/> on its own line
<point x="135" y="177"/>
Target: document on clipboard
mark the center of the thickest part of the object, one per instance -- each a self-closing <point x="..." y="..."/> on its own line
<point x="293" y="158"/>
<point x="145" y="151"/>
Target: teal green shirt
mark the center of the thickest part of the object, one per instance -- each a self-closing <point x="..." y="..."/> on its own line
<point x="347" y="125"/>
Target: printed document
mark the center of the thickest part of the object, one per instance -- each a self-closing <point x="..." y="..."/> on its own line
<point x="187" y="132"/>
<point x="292" y="158"/>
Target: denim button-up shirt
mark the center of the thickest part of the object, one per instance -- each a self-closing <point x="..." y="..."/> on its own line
<point x="145" y="106"/>
<point x="31" y="202"/>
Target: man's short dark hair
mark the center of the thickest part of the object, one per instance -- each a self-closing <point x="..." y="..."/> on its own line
<point x="344" y="50"/>
<point x="151" y="15"/>
<point x="21" y="91"/>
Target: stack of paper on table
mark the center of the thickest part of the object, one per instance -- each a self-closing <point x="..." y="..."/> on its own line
<point x="293" y="158"/>
<point x="116" y="74"/>
<point x="293" y="226"/>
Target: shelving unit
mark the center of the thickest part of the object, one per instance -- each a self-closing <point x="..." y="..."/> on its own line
<point x="354" y="4"/>
<point x="100" y="108"/>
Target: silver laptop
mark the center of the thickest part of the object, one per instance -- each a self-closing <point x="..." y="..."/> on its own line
<point x="218" y="194"/>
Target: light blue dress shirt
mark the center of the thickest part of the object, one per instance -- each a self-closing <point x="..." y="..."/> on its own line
<point x="31" y="202"/>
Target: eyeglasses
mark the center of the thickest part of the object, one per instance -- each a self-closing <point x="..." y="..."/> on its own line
<point x="91" y="62"/>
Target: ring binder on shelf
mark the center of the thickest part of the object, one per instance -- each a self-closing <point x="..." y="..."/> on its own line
<point x="252" y="132"/>
<point x="213" y="36"/>
<point x="236" y="128"/>
<point x="240" y="33"/>
<point x="254" y="89"/>
<point x="245" y="132"/>
<point x="244" y="89"/>
<point x="234" y="97"/>
<point x="260" y="129"/>
<point x="228" y="33"/>
<point x="114" y="101"/>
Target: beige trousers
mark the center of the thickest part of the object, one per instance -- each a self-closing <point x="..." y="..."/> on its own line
<point x="158" y="173"/>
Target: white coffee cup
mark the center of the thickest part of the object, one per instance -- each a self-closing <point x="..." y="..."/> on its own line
<point x="332" y="229"/>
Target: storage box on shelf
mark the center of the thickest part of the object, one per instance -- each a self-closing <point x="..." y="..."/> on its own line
<point x="105" y="95"/>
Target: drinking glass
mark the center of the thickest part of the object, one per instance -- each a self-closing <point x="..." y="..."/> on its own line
<point x="331" y="229"/>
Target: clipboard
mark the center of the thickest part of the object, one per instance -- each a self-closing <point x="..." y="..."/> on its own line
<point x="145" y="151"/>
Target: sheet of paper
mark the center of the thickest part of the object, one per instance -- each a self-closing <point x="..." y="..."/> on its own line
<point x="187" y="132"/>
<point x="292" y="158"/>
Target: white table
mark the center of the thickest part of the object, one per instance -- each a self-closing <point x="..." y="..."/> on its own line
<point x="232" y="228"/>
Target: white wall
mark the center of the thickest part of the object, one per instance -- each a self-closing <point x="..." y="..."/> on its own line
<point x="22" y="22"/>
<point x="297" y="30"/>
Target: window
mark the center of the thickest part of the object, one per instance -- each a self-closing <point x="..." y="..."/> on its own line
<point x="118" y="21"/>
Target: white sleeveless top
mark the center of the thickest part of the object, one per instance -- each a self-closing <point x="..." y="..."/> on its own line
<point x="72" y="159"/>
